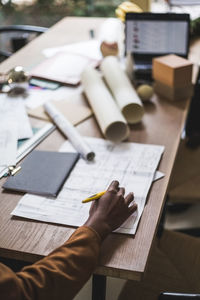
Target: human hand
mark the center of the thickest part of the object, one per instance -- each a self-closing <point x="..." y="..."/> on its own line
<point x="111" y="210"/>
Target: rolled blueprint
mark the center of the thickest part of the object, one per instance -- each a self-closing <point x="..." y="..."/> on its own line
<point x="108" y="115"/>
<point x="69" y="131"/>
<point x="122" y="90"/>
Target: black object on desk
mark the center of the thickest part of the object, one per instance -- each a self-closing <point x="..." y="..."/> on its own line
<point x="149" y="35"/>
<point x="43" y="173"/>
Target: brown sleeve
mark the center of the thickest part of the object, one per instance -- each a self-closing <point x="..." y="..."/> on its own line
<point x="60" y="275"/>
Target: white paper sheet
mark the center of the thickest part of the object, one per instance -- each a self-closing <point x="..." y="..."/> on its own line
<point x="133" y="165"/>
<point x="8" y="143"/>
<point x="158" y="175"/>
<point x="89" y="48"/>
<point x="36" y="97"/>
<point x="13" y="109"/>
<point x="30" y="144"/>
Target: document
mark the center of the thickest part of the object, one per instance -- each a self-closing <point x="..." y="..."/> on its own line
<point x="8" y="143"/>
<point x="28" y="145"/>
<point x="13" y="109"/>
<point x="133" y="165"/>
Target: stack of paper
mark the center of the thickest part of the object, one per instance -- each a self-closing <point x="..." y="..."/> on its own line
<point x="14" y="125"/>
<point x="133" y="165"/>
<point x="13" y="109"/>
<point x="8" y="143"/>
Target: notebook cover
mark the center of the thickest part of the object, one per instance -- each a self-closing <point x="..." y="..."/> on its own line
<point x="43" y="173"/>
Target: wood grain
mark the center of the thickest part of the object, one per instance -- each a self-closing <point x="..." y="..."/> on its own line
<point x="122" y="256"/>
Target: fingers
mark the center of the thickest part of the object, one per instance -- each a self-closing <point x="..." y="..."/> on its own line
<point x="93" y="206"/>
<point x="129" y="198"/>
<point x="132" y="208"/>
<point x="121" y="191"/>
<point x="114" y="186"/>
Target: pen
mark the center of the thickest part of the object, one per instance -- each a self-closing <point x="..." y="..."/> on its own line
<point x="94" y="197"/>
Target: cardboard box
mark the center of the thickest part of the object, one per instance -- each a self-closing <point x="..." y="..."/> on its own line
<point x="172" y="70"/>
<point x="171" y="93"/>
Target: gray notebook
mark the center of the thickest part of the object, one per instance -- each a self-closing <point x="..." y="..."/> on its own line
<point x="43" y="173"/>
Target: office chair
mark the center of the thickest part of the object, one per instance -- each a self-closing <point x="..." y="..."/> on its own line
<point x="173" y="270"/>
<point x="177" y="296"/>
<point x="180" y="296"/>
<point x="14" y="37"/>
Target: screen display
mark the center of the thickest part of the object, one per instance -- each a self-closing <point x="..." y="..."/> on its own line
<point x="184" y="2"/>
<point x="157" y="36"/>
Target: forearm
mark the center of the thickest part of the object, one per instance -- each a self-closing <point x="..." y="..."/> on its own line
<point x="61" y="274"/>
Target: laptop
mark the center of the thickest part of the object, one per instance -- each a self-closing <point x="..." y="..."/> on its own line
<point x="148" y="35"/>
<point x="184" y="2"/>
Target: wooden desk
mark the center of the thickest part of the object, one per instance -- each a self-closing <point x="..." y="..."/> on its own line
<point x="122" y="256"/>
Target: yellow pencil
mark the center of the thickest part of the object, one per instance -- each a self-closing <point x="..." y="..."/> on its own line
<point x="93" y="197"/>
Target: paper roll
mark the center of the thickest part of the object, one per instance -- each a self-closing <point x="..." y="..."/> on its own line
<point x="122" y="90"/>
<point x="108" y="115"/>
<point x="69" y="131"/>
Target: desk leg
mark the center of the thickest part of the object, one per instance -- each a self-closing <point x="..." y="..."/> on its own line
<point x="98" y="287"/>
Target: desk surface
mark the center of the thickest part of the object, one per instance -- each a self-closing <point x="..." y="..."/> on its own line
<point x="121" y="256"/>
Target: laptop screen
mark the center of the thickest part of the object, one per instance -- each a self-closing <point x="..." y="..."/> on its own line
<point x="154" y="34"/>
<point x="184" y="2"/>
